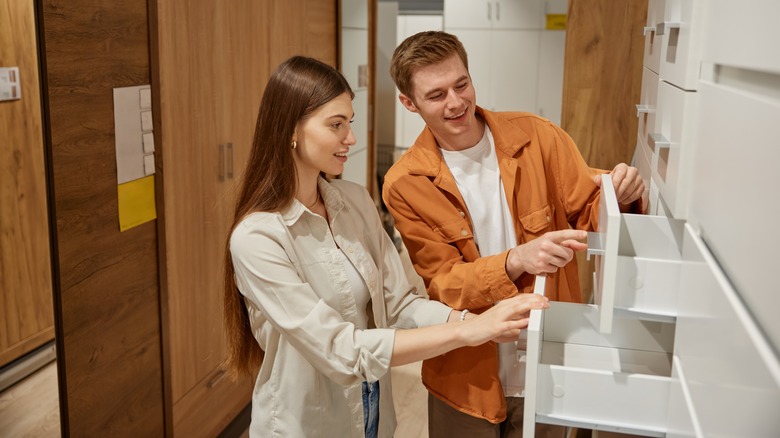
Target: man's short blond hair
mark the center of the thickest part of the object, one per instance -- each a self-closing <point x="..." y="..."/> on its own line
<point x="421" y="50"/>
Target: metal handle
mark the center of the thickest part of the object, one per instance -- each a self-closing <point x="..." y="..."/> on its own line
<point x="490" y="10"/>
<point x="221" y="162"/>
<point x="644" y="109"/>
<point x="660" y="28"/>
<point x="657" y="139"/>
<point x="216" y="379"/>
<point x="648" y="29"/>
<point x="596" y="244"/>
<point x="230" y="160"/>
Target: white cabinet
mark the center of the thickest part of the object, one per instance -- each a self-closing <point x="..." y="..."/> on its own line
<point x="681" y="43"/>
<point x="494" y="14"/>
<point x="508" y="48"/>
<point x="653" y="42"/>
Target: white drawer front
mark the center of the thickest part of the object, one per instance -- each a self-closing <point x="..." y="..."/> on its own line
<point x="734" y="196"/>
<point x="742" y="33"/>
<point x="653" y="42"/>
<point x="680" y="54"/>
<point x="675" y="125"/>
<point x="732" y="373"/>
<point x="648" y="105"/>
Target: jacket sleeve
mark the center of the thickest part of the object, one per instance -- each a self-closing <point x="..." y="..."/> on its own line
<point x="437" y="251"/>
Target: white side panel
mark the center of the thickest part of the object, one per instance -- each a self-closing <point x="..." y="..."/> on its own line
<point x="734" y="196"/>
<point x="732" y="372"/>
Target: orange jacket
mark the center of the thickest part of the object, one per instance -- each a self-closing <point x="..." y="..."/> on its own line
<point x="549" y="187"/>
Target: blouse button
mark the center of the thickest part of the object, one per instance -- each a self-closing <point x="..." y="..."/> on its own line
<point x="464" y="233"/>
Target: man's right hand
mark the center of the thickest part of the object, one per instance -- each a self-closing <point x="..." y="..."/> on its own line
<point x="545" y="254"/>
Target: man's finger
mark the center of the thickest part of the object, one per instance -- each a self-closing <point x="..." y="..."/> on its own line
<point x="561" y="235"/>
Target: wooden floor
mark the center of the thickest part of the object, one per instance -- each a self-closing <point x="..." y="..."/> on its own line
<point x="30" y="408"/>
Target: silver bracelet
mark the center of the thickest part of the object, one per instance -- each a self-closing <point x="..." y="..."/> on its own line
<point x="463" y="314"/>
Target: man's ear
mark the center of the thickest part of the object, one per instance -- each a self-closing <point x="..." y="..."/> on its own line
<point x="407" y="102"/>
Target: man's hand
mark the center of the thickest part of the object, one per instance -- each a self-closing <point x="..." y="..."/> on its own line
<point x="628" y="184"/>
<point x="545" y="254"/>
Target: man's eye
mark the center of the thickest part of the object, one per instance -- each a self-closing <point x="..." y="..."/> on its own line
<point x="462" y="86"/>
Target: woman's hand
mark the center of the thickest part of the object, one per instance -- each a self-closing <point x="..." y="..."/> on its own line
<point x="503" y="322"/>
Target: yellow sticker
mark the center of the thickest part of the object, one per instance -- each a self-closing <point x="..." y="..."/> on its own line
<point x="136" y="202"/>
<point x="556" y="22"/>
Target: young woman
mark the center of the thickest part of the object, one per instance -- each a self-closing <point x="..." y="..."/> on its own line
<point x="314" y="287"/>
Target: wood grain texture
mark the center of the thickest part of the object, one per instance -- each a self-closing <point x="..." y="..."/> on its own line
<point x="109" y="293"/>
<point x="26" y="306"/>
<point x="602" y="81"/>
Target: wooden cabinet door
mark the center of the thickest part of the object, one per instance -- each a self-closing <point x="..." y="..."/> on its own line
<point x="26" y="314"/>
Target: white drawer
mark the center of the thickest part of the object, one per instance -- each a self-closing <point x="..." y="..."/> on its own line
<point x="577" y="376"/>
<point x="681" y="38"/>
<point x="732" y="372"/>
<point x="673" y="144"/>
<point x="643" y="163"/>
<point x="742" y="34"/>
<point x="653" y="42"/>
<point x="637" y="265"/>
<point x="648" y="103"/>
<point x="734" y="197"/>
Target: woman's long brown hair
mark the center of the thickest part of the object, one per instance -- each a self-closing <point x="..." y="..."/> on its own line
<point x="297" y="88"/>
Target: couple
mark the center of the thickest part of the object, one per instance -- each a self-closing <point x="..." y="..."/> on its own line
<point x="315" y="289"/>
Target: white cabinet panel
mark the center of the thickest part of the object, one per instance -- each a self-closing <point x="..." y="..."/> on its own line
<point x="354" y="54"/>
<point x="468" y="14"/>
<point x="681" y="421"/>
<point x="653" y="42"/>
<point x="518" y="14"/>
<point x="680" y="52"/>
<point x="734" y="196"/>
<point x="731" y="370"/>
<point x="515" y="70"/>
<point x="354" y="14"/>
<point x="356" y="169"/>
<point x="675" y="129"/>
<point x="552" y="47"/>
<point x="742" y="33"/>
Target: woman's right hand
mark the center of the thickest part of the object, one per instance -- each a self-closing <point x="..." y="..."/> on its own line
<point x="503" y="322"/>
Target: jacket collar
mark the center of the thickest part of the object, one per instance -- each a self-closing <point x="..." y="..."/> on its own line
<point x="426" y="159"/>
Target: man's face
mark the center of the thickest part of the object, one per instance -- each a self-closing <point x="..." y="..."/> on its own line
<point x="444" y="97"/>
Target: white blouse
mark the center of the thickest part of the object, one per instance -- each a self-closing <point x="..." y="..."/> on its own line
<point x="304" y="315"/>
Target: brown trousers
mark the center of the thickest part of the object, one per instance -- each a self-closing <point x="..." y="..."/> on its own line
<point x="446" y="422"/>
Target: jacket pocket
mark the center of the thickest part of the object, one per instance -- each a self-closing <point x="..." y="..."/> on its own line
<point x="537" y="222"/>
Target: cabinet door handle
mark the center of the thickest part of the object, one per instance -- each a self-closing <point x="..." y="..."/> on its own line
<point x="659" y="140"/>
<point x="660" y="28"/>
<point x="221" y="163"/>
<point x="644" y="109"/>
<point x="216" y="379"/>
<point x="498" y="11"/>
<point x="648" y="29"/>
<point x="230" y="160"/>
<point x="490" y="10"/>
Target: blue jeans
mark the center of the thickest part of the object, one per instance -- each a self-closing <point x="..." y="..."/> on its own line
<point x="371" y="409"/>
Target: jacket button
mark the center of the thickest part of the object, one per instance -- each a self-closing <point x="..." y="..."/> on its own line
<point x="462" y="214"/>
<point x="548" y="218"/>
<point x="464" y="233"/>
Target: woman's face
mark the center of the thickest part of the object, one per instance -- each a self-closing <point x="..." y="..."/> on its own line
<point x="324" y="138"/>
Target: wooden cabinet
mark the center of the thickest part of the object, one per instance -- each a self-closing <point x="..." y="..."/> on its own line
<point x="27" y="319"/>
<point x="213" y="60"/>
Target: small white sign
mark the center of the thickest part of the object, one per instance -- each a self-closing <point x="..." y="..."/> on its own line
<point x="9" y="84"/>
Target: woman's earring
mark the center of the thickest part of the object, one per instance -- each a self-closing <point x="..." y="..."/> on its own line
<point x="294" y="144"/>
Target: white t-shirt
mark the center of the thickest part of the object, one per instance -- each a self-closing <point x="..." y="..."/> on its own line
<point x="478" y="179"/>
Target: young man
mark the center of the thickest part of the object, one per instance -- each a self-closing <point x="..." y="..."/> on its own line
<point x="484" y="202"/>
